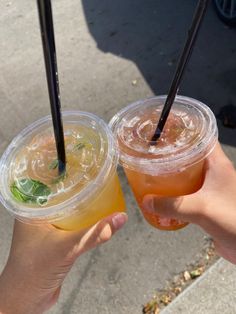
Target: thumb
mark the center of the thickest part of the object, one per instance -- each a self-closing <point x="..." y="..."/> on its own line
<point x="99" y="233"/>
<point x="186" y="208"/>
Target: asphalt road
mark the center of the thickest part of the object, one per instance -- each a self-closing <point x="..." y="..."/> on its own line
<point x="111" y="53"/>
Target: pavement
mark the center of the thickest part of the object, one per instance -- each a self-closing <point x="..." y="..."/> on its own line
<point x="214" y="292"/>
<point x="111" y="54"/>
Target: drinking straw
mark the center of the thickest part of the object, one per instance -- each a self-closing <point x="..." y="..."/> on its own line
<point x="50" y="58"/>
<point x="183" y="60"/>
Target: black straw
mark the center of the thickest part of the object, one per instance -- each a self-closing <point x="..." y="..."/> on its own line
<point x="49" y="48"/>
<point x="183" y="60"/>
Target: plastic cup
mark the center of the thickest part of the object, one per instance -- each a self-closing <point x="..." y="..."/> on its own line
<point x="89" y="190"/>
<point x="175" y="165"/>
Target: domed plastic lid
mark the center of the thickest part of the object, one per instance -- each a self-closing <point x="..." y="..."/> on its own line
<point x="189" y="135"/>
<point x="30" y="186"/>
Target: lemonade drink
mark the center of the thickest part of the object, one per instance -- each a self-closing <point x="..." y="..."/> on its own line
<point x="175" y="165"/>
<point x="89" y="190"/>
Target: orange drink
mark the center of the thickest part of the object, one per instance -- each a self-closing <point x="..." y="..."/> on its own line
<point x="89" y="190"/>
<point x="175" y="165"/>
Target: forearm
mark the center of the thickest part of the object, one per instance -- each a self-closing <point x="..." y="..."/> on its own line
<point x="16" y="297"/>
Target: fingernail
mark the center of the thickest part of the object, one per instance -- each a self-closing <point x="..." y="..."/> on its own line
<point x="119" y="220"/>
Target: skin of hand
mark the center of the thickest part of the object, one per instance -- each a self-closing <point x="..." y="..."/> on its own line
<point x="39" y="260"/>
<point x="213" y="207"/>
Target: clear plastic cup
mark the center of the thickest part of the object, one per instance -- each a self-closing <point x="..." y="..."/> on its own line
<point x="88" y="191"/>
<point x="175" y="165"/>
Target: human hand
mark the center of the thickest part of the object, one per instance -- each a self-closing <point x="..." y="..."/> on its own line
<point x="213" y="207"/>
<point x="39" y="260"/>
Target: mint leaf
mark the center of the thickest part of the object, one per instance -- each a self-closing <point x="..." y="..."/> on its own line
<point x="78" y="146"/>
<point x="18" y="194"/>
<point x="30" y="191"/>
<point x="61" y="177"/>
<point x="54" y="164"/>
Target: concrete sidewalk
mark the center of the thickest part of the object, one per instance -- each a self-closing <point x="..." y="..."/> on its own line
<point x="111" y="53"/>
<point x="212" y="293"/>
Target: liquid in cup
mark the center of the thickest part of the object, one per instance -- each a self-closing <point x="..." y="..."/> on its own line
<point x="175" y="165"/>
<point x="31" y="188"/>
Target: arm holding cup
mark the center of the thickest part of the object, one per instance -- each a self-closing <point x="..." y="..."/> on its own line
<point x="213" y="207"/>
<point x="41" y="257"/>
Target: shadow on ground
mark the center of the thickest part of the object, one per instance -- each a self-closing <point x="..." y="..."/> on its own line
<point x="151" y="33"/>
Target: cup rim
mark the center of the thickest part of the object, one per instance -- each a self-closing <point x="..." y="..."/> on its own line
<point x="163" y="165"/>
<point x="55" y="212"/>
